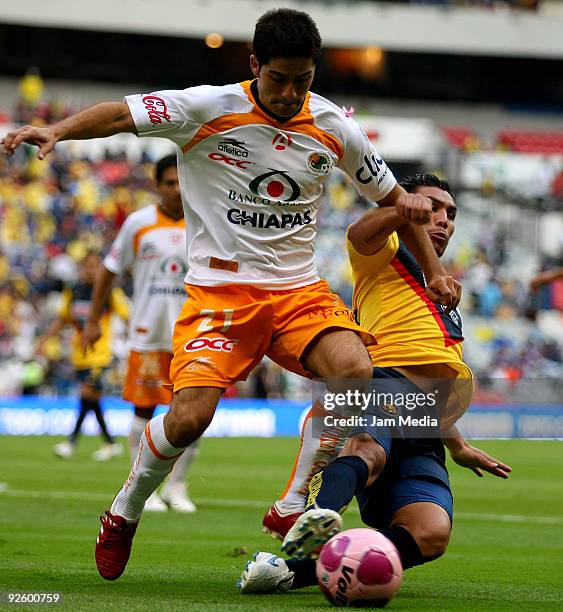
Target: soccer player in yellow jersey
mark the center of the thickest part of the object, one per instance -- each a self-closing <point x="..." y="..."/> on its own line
<point x="253" y="159"/>
<point x="89" y="365"/>
<point x="400" y="479"/>
<point x="151" y="245"/>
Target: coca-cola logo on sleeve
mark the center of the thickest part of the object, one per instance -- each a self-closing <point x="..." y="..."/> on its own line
<point x="156" y="109"/>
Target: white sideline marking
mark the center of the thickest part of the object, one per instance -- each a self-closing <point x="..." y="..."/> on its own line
<point x="263" y="505"/>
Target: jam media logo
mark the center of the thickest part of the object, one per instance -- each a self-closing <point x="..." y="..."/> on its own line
<point x="156" y="109"/>
<point x="319" y="163"/>
<point x="233" y="147"/>
<point x="281" y="141"/>
<point x="283" y="188"/>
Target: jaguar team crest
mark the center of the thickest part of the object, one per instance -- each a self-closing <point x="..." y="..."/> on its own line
<point x="319" y="163"/>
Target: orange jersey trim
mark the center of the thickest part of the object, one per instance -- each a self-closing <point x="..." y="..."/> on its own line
<point x="302" y="123"/>
<point x="153" y="448"/>
<point x="162" y="220"/>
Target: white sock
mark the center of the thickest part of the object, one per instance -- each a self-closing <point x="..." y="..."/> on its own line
<point x="181" y="467"/>
<point x="155" y="458"/>
<point x="314" y="454"/>
<point x="138" y="425"/>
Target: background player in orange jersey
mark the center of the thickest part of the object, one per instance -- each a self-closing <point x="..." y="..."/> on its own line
<point x="253" y="158"/>
<point x="151" y="245"/>
<point x="88" y="363"/>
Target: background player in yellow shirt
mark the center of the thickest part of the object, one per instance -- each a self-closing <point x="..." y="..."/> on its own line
<point x="88" y="364"/>
<point x="401" y="483"/>
<point x="151" y="244"/>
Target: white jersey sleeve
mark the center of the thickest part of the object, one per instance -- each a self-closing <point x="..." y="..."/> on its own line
<point x="175" y="114"/>
<point x="121" y="255"/>
<point x="363" y="164"/>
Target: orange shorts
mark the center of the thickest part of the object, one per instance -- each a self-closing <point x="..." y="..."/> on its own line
<point x="146" y="375"/>
<point x="223" y="332"/>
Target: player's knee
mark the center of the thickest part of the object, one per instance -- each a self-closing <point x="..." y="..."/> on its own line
<point x="433" y="540"/>
<point x="354" y="366"/>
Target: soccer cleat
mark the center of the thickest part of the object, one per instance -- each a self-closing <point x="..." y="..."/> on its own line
<point x="155" y="504"/>
<point x="277" y="523"/>
<point x="113" y="546"/>
<point x="311" y="530"/>
<point x="107" y="452"/>
<point x="265" y="573"/>
<point x="64" y="450"/>
<point x="176" y="497"/>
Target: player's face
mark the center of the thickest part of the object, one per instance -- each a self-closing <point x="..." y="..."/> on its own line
<point x="283" y="83"/>
<point x="442" y="222"/>
<point x="89" y="268"/>
<point x="168" y="189"/>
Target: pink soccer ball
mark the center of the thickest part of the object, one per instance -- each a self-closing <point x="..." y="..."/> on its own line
<point x="359" y="567"/>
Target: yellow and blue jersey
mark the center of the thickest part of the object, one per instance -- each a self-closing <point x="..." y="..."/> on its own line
<point x="409" y="328"/>
<point x="74" y="310"/>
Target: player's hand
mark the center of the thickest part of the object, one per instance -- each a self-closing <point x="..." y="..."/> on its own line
<point x="43" y="137"/>
<point x="414" y="208"/>
<point x="445" y="290"/>
<point x="478" y="461"/>
<point x="90" y="335"/>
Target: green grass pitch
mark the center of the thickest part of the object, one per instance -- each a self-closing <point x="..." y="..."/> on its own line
<point x="506" y="551"/>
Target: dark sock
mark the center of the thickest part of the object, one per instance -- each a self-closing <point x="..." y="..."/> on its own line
<point x="95" y="406"/>
<point x="84" y="410"/>
<point x="305" y="572"/>
<point x="406" y="545"/>
<point x="335" y="486"/>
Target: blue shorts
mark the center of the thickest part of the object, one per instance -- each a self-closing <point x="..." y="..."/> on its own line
<point x="415" y="471"/>
<point x="91" y="377"/>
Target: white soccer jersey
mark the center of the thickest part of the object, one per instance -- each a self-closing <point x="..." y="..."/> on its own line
<point x="250" y="184"/>
<point x="152" y="246"/>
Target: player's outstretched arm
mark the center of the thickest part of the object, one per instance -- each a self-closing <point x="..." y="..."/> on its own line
<point x="100" y="293"/>
<point x="416" y="210"/>
<point x="99" y="121"/>
<point x="369" y="234"/>
<point x="471" y="457"/>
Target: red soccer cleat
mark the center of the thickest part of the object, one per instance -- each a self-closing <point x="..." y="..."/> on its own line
<point x="113" y="546"/>
<point x="277" y="523"/>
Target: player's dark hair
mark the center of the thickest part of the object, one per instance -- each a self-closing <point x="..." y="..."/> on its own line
<point x="286" y="33"/>
<point x="168" y="161"/>
<point x="411" y="183"/>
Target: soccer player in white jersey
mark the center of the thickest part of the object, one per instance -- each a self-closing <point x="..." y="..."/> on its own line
<point x="151" y="245"/>
<point x="253" y="158"/>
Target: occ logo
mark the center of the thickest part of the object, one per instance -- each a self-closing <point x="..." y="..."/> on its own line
<point x="213" y="344"/>
<point x="230" y="161"/>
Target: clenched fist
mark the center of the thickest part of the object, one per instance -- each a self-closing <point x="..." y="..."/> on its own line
<point x="414" y="208"/>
